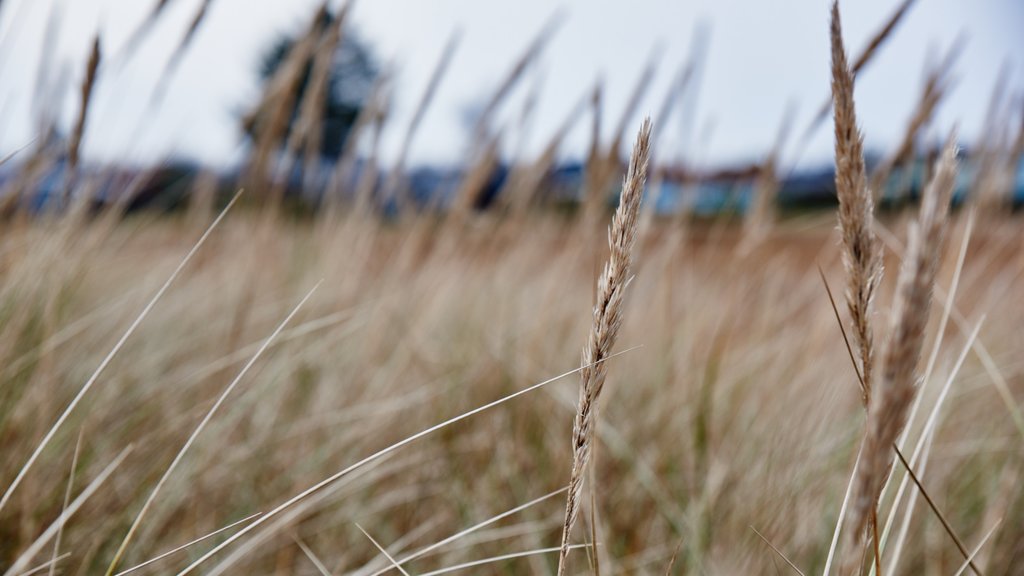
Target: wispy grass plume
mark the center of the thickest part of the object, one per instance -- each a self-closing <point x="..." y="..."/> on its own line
<point x="862" y="256"/>
<point x="611" y="288"/>
<point x="897" y="386"/>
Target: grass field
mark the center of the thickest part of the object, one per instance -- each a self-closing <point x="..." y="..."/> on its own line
<point x="736" y="406"/>
<point x="236" y="388"/>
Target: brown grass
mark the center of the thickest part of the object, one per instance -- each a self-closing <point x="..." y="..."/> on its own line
<point x="422" y="392"/>
<point x="898" y="382"/>
<point x="415" y="341"/>
<point x="92" y="66"/>
<point x="861" y="251"/>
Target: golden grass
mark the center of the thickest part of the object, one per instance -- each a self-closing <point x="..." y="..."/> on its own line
<point x="740" y="408"/>
<point x="215" y="420"/>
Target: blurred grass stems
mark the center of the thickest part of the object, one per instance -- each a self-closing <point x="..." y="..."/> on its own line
<point x="22" y="562"/>
<point x="170" y="69"/>
<point x="927" y="436"/>
<point x="500" y="558"/>
<point x="993" y="187"/>
<point x="919" y="458"/>
<point x="1005" y="493"/>
<point x="325" y="483"/>
<point x="315" y="61"/>
<point x="311" y="110"/>
<point x="467" y="195"/>
<point x="340" y="189"/>
<point x="897" y="386"/>
<point x="383" y="551"/>
<point x="593" y="166"/>
<point x="269" y="119"/>
<point x="67" y="502"/>
<point x="608" y="163"/>
<point x="186" y="545"/>
<point x="981" y="350"/>
<point x="78" y="130"/>
<point x="313" y="558"/>
<point x="762" y="214"/>
<point x="938" y="513"/>
<point x="519" y="191"/>
<point x="465" y="532"/>
<point x="395" y="184"/>
<point x="365" y="201"/>
<point x="137" y="522"/>
<point x="974" y="554"/>
<point x="308" y="129"/>
<point x="864" y="57"/>
<point x="106" y="361"/>
<point x="607" y="319"/>
<point x="673" y="98"/>
<point x="428" y="319"/>
<point x="530" y="55"/>
<point x="521" y="188"/>
<point x="140" y="33"/>
<point x="485" y="137"/>
<point x="52" y="563"/>
<point x="44" y="97"/>
<point x="938" y="84"/>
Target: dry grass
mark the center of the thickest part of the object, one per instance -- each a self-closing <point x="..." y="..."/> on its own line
<point x="861" y="253"/>
<point x="608" y="310"/>
<point x="174" y="399"/>
<point x="92" y="65"/>
<point x="699" y="442"/>
<point x="898" y="382"/>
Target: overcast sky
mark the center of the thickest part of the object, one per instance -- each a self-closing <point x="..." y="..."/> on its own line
<point x="760" y="56"/>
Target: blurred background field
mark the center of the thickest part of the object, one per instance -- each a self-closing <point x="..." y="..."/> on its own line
<point x="444" y="179"/>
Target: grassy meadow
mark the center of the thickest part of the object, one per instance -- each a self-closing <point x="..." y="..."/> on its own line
<point x="355" y="395"/>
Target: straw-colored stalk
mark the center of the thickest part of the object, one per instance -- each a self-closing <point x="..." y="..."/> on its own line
<point x="863" y="59"/>
<point x="514" y="74"/>
<point x="936" y="86"/>
<point x="611" y="288"/>
<point x="862" y="257"/>
<point x="897" y="385"/>
<point x="171" y="67"/>
<point x="998" y="163"/>
<point x="271" y="115"/>
<point x="673" y="98"/>
<point x="394" y="185"/>
<point x="519" y="191"/>
<point x="762" y="213"/>
<point x="340" y="184"/>
<point x="369" y="173"/>
<point x="314" y="101"/>
<point x="593" y="175"/>
<point x="307" y="132"/>
<point x="75" y="142"/>
<point x="609" y="164"/>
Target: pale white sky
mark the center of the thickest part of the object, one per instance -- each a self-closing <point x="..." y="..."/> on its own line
<point x="760" y="56"/>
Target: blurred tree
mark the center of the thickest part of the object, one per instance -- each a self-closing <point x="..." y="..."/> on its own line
<point x="350" y="79"/>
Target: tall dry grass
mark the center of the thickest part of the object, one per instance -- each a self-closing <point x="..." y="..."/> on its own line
<point x="175" y="398"/>
<point x="608" y="311"/>
<point x="701" y="443"/>
<point x="862" y="253"/>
